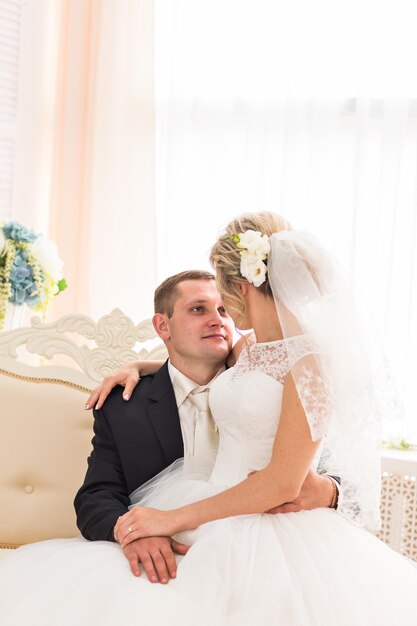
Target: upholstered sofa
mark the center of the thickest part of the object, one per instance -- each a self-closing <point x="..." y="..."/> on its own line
<point x="46" y="373"/>
<point x="45" y="432"/>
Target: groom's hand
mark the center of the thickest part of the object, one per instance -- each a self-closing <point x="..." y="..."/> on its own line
<point x="157" y="557"/>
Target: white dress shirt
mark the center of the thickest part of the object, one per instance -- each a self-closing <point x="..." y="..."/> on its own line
<point x="183" y="386"/>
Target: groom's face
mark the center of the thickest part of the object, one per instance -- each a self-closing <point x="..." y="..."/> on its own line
<point x="199" y="328"/>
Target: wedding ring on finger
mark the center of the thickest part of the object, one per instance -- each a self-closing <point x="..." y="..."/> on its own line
<point x="130" y="529"/>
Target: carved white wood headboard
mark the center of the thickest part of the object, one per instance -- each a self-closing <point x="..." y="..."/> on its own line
<point x="93" y="348"/>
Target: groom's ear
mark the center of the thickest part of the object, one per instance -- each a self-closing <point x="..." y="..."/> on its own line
<point x="159" y="322"/>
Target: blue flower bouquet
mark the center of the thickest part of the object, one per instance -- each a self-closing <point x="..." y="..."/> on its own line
<point x="30" y="269"/>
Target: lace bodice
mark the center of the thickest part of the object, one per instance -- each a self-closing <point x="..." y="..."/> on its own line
<point x="246" y="405"/>
<point x="274" y="358"/>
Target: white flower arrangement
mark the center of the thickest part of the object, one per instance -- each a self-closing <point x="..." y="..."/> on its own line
<point x="30" y="269"/>
<point x="255" y="248"/>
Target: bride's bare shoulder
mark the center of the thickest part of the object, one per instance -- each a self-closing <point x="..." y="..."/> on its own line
<point x="245" y="340"/>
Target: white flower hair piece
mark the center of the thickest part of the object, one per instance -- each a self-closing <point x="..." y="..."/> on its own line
<point x="254" y="250"/>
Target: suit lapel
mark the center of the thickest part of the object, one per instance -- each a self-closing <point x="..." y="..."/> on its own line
<point x="163" y="415"/>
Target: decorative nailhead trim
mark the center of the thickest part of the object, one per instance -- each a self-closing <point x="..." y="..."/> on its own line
<point x="56" y="381"/>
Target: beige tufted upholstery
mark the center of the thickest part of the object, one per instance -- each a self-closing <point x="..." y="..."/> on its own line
<point x="45" y="433"/>
<point x="45" y="440"/>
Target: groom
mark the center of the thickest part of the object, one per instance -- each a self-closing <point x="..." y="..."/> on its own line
<point x="133" y="441"/>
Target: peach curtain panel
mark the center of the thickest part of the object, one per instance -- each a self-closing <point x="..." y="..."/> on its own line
<point x="86" y="148"/>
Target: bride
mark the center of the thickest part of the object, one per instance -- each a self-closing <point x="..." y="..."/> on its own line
<point x="304" y="390"/>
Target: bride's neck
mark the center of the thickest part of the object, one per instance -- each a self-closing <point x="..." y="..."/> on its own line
<point x="264" y="318"/>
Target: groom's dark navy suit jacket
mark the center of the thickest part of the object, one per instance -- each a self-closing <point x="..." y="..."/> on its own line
<point x="132" y="442"/>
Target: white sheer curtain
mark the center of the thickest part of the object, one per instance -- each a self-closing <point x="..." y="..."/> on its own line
<point x="294" y="108"/>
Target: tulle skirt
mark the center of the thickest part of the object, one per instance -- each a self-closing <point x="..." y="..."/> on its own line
<point x="311" y="568"/>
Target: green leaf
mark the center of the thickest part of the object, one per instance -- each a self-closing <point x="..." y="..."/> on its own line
<point x="62" y="284"/>
<point x="403" y="444"/>
<point x="235" y="238"/>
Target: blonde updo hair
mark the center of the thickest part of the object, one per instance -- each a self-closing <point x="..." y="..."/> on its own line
<point x="225" y="256"/>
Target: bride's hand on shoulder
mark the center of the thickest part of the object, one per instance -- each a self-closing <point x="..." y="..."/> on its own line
<point x="142" y="522"/>
<point x="127" y="376"/>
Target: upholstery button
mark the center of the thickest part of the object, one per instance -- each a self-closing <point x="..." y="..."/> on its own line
<point x="29" y="489"/>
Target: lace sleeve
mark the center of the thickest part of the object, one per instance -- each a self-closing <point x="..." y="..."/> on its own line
<point x="313" y="390"/>
<point x="315" y="398"/>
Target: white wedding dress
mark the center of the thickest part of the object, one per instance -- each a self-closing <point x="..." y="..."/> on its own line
<point x="312" y="568"/>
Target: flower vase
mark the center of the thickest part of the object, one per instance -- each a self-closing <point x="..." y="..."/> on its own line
<point x="15" y="316"/>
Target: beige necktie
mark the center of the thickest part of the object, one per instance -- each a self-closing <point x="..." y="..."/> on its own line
<point x="205" y="436"/>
